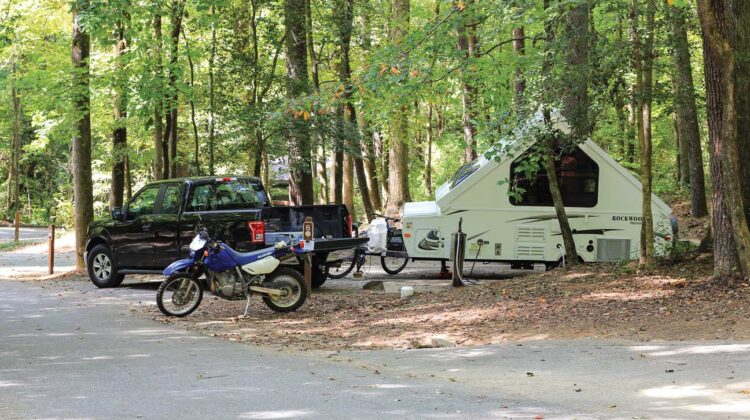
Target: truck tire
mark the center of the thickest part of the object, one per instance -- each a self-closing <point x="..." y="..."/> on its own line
<point x="319" y="277"/>
<point x="101" y="267"/>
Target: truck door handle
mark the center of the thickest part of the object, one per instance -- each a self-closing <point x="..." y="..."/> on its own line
<point x="146" y="228"/>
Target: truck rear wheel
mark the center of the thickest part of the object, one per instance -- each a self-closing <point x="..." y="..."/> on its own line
<point x="101" y="267"/>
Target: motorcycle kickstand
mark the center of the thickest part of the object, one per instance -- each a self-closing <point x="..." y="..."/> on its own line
<point x="247" y="306"/>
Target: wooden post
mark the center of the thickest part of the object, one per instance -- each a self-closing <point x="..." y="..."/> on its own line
<point x="307" y="234"/>
<point x="51" y="251"/>
<point x="17" y="224"/>
<point x="308" y="272"/>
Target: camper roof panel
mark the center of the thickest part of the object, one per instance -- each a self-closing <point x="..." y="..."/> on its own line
<point x="421" y="208"/>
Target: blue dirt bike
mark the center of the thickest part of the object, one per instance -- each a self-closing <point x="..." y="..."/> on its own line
<point x="231" y="275"/>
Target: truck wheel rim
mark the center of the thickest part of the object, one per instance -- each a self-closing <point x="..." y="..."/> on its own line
<point x="102" y="266"/>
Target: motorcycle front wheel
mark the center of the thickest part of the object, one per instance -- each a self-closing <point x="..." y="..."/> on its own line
<point x="292" y="285"/>
<point x="179" y="295"/>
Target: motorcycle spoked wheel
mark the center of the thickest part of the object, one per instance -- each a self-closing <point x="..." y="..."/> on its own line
<point x="292" y="284"/>
<point x="179" y="295"/>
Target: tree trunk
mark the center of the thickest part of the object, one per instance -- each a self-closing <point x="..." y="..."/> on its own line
<point x="467" y="44"/>
<point x="158" y="102"/>
<point x="345" y="20"/>
<point x="741" y="16"/>
<point x="368" y="137"/>
<point x="643" y="56"/>
<point x="398" y="154"/>
<point x="300" y="168"/>
<point x="338" y="175"/>
<point x="318" y="142"/>
<point x="729" y="218"/>
<point x="687" y="115"/>
<point x="83" y="200"/>
<point x="13" y="204"/>
<point x="178" y="9"/>
<point x="128" y="179"/>
<point x="196" y="142"/>
<point x="212" y="98"/>
<point x="548" y="158"/>
<point x="682" y="161"/>
<point x="428" y="153"/>
<point x="119" y="135"/>
<point x="519" y="83"/>
<point x="574" y="86"/>
<point x="348" y="185"/>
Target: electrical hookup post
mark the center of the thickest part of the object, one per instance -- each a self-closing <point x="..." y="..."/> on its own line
<point x="458" y="245"/>
<point x="458" y="250"/>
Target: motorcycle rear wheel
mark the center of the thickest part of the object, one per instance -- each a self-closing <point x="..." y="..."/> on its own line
<point x="292" y="283"/>
<point x="179" y="295"/>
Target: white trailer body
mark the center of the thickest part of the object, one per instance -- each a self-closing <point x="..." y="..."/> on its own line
<point x="605" y="218"/>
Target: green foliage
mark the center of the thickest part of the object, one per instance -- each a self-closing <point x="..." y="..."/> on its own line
<point x="252" y="112"/>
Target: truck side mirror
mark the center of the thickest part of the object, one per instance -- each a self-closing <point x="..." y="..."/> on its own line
<point x="117" y="213"/>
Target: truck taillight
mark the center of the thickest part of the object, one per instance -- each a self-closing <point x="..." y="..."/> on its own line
<point x="349" y="224"/>
<point x="257" y="232"/>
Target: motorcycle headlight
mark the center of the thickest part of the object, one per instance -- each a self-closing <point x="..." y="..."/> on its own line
<point x="197" y="244"/>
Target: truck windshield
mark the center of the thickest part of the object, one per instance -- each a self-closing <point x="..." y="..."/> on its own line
<point x="235" y="194"/>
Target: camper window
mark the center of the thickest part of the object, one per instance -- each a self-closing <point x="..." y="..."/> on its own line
<point x="577" y="174"/>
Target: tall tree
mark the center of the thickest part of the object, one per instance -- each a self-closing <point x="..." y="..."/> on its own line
<point x="82" y="183"/>
<point x="571" y="110"/>
<point x="519" y="83"/>
<point x="159" y="144"/>
<point x="467" y="45"/>
<point x="686" y="115"/>
<point x="730" y="226"/>
<point x="741" y="41"/>
<point x="643" y="51"/>
<point x="13" y="203"/>
<point x="212" y="97"/>
<point x="170" y="135"/>
<point x="319" y="149"/>
<point x="119" y="134"/>
<point x="368" y="136"/>
<point x="301" y="183"/>
<point x="345" y="24"/>
<point x="398" y="154"/>
<point x="575" y="42"/>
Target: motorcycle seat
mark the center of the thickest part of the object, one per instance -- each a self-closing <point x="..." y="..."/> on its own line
<point x="243" y="258"/>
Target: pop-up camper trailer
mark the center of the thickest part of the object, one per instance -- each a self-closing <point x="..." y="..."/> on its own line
<point x="602" y="201"/>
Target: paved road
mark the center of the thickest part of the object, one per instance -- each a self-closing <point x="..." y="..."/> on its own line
<point x="9" y="233"/>
<point x="68" y="350"/>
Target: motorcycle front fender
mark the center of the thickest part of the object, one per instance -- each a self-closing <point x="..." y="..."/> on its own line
<point x="178" y="266"/>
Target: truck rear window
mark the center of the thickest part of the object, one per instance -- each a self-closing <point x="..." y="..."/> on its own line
<point x="236" y="194"/>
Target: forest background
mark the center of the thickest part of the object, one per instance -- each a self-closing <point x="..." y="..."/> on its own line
<point x="370" y="103"/>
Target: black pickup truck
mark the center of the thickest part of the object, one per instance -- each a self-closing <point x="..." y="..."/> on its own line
<point x="156" y="226"/>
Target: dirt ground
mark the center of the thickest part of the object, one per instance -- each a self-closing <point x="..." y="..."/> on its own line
<point x="675" y="301"/>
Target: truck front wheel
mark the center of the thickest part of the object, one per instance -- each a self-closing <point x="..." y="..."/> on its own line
<point x="101" y="267"/>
